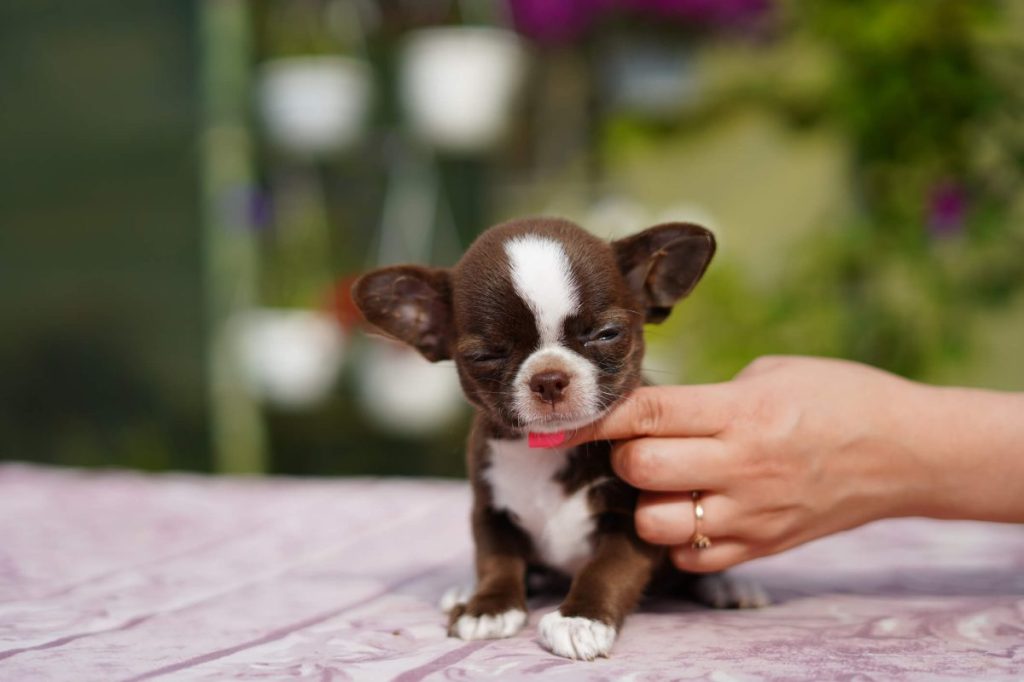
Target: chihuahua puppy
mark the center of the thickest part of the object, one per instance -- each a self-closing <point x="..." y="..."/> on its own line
<point x="545" y="324"/>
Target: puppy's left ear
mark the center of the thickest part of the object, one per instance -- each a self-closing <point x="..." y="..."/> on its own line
<point x="663" y="264"/>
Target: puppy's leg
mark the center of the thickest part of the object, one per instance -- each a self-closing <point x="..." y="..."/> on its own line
<point x="497" y="607"/>
<point x="603" y="593"/>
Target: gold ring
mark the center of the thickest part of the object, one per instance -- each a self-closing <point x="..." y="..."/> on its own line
<point x="699" y="540"/>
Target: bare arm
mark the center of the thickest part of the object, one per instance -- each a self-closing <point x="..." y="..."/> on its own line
<point x="797" y="448"/>
<point x="972" y="442"/>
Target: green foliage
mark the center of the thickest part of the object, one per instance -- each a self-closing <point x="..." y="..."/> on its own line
<point x="734" y="319"/>
<point x="909" y="85"/>
<point x="926" y="97"/>
<point x="911" y="93"/>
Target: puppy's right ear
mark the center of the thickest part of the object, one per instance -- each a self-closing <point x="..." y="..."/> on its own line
<point x="410" y="303"/>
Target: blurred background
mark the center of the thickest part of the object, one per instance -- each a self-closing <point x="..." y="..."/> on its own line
<point x="187" y="190"/>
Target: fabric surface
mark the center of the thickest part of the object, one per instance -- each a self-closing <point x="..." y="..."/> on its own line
<point x="125" y="576"/>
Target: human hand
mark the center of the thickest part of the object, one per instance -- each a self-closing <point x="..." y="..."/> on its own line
<point x="790" y="450"/>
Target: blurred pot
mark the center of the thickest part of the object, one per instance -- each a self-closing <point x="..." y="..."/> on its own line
<point x="459" y="85"/>
<point x="406" y="393"/>
<point x="314" y="105"/>
<point x="289" y="358"/>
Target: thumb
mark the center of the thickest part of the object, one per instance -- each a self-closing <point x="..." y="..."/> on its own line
<point x="701" y="410"/>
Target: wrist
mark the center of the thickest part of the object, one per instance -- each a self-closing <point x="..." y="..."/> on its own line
<point x="924" y="476"/>
<point x="882" y="473"/>
<point x="899" y="471"/>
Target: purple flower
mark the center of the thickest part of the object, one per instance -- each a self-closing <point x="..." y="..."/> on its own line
<point x="561" y="21"/>
<point x="555" y="21"/>
<point x="947" y="209"/>
<point x="723" y="12"/>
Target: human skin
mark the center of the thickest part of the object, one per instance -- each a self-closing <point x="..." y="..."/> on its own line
<point x="796" y="448"/>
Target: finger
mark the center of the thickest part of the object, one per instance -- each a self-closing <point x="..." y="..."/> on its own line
<point x="668" y="518"/>
<point x="722" y="554"/>
<point x="673" y="464"/>
<point x="663" y="411"/>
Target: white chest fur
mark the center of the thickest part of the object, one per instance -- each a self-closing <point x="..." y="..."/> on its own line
<point x="523" y="482"/>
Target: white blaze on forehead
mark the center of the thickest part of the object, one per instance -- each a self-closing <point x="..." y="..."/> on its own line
<point x="542" y="277"/>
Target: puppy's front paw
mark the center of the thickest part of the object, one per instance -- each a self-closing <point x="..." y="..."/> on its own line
<point x="575" y="636"/>
<point x="722" y="591"/>
<point x="488" y="626"/>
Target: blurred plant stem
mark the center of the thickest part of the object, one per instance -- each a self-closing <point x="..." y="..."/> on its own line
<point x="239" y="440"/>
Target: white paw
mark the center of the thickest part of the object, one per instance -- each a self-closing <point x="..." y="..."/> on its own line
<point x="455" y="596"/>
<point x="490" y="627"/>
<point x="721" y="591"/>
<point x="575" y="637"/>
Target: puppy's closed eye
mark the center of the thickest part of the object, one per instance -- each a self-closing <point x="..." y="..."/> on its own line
<point x="481" y="353"/>
<point x="604" y="335"/>
<point x="487" y="357"/>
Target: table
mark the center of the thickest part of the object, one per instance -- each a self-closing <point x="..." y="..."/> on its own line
<point x="119" y="575"/>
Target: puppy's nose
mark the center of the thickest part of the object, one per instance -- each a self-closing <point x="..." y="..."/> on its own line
<point x="550" y="386"/>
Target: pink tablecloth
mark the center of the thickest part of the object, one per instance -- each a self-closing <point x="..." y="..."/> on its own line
<point x="123" y="576"/>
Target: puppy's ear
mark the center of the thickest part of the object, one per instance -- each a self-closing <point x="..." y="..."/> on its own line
<point x="663" y="264"/>
<point x="409" y="303"/>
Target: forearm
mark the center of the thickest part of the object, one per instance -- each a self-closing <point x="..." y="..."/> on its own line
<point x="969" y="447"/>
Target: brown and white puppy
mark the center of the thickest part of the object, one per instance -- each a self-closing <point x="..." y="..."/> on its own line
<point x="545" y="324"/>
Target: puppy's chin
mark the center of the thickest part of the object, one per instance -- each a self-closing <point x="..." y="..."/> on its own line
<point x="569" y="422"/>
